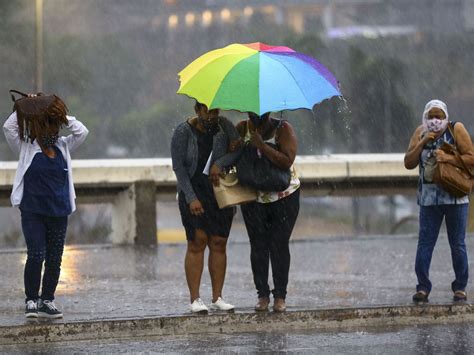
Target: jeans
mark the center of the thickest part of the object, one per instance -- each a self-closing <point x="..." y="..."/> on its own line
<point x="431" y="218"/>
<point x="269" y="226"/>
<point x="44" y="237"/>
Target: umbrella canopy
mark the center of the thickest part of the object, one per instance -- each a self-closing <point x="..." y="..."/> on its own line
<point x="257" y="77"/>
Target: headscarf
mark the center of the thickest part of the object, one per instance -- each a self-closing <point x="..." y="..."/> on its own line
<point x="430" y="105"/>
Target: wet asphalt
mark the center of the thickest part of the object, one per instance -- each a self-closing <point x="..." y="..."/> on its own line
<point x="104" y="281"/>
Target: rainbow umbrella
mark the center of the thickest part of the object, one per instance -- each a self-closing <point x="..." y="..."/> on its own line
<point x="257" y="77"/>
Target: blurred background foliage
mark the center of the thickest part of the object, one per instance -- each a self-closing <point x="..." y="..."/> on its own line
<point x="116" y="67"/>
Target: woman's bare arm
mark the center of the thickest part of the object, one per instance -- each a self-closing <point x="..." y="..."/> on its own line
<point x="286" y="139"/>
<point x="412" y="156"/>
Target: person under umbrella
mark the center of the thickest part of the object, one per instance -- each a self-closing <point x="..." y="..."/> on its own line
<point x="205" y="224"/>
<point x="270" y="220"/>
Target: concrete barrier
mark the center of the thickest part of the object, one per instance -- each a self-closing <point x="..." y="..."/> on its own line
<point x="239" y="322"/>
<point x="131" y="185"/>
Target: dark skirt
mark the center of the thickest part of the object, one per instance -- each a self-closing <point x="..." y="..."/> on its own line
<point x="214" y="221"/>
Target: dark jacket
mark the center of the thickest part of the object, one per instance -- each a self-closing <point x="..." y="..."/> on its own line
<point x="184" y="153"/>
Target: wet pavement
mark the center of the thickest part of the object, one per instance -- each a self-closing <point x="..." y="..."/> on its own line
<point x="108" y="282"/>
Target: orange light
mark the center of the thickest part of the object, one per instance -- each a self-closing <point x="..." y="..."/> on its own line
<point x="225" y="15"/>
<point x="248" y="11"/>
<point x="206" y="18"/>
<point x="189" y="19"/>
<point x="173" y="21"/>
<point x="268" y="9"/>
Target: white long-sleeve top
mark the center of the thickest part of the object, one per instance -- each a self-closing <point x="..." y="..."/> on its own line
<point x="27" y="152"/>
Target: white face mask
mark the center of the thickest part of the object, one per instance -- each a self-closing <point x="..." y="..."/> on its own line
<point x="436" y="125"/>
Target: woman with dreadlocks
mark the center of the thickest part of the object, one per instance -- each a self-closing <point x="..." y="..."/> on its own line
<point x="43" y="190"/>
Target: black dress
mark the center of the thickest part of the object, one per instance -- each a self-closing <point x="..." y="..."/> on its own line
<point x="213" y="221"/>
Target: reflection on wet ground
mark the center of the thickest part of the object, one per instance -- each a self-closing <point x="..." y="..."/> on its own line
<point x="103" y="281"/>
<point x="417" y="339"/>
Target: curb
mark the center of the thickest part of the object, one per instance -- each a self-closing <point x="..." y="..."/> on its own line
<point x="239" y="322"/>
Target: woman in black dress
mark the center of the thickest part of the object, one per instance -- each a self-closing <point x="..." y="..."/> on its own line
<point x="205" y="224"/>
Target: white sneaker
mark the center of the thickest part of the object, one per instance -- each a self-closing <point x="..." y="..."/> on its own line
<point x="221" y="305"/>
<point x="198" y="306"/>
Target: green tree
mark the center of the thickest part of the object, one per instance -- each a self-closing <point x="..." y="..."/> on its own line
<point x="146" y="133"/>
<point x="381" y="120"/>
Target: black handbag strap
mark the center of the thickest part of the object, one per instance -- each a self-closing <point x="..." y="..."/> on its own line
<point x="21" y="93"/>
<point x="17" y="92"/>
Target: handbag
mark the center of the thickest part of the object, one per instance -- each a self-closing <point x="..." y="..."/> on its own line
<point x="453" y="179"/>
<point x="36" y="113"/>
<point x="257" y="171"/>
<point x="230" y="193"/>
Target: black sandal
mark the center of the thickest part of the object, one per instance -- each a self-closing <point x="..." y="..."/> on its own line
<point x="420" y="296"/>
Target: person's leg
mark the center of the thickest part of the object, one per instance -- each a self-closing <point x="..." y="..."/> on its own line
<point x="284" y="215"/>
<point x="456" y="220"/>
<point x="217" y="264"/>
<point x="55" y="237"/>
<point x="430" y="221"/>
<point x="194" y="262"/>
<point x="255" y="223"/>
<point x="34" y="231"/>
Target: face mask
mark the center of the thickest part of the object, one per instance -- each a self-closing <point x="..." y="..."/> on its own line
<point x="436" y="125"/>
<point x="49" y="141"/>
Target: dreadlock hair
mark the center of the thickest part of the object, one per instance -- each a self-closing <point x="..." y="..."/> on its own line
<point x="40" y="116"/>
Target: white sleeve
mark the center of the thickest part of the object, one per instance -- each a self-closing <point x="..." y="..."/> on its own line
<point x="10" y="128"/>
<point x="78" y="134"/>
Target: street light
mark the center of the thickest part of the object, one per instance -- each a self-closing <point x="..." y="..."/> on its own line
<point x="39" y="46"/>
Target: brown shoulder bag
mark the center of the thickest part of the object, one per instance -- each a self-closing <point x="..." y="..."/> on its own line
<point x="456" y="180"/>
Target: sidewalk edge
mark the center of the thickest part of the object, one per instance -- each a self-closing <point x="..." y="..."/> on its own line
<point x="239" y="322"/>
